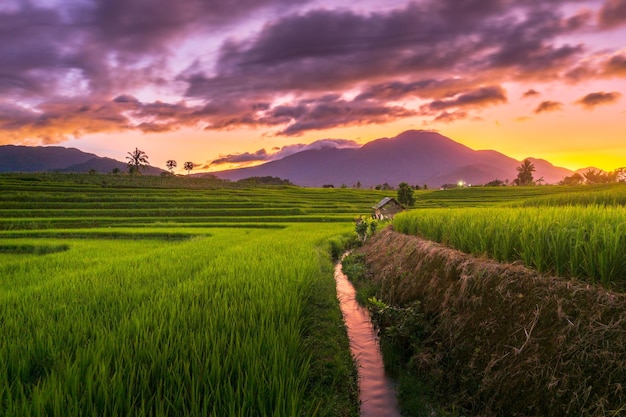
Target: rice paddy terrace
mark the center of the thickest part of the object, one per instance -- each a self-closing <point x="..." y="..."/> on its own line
<point x="27" y="203"/>
<point x="152" y="298"/>
<point x="149" y="296"/>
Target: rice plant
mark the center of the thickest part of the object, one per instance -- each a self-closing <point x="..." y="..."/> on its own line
<point x="586" y="242"/>
<point x="210" y="325"/>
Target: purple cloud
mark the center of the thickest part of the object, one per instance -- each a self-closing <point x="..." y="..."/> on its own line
<point x="548" y="106"/>
<point x="530" y="93"/>
<point x="329" y="49"/>
<point x="323" y="114"/>
<point x="260" y="155"/>
<point x="263" y="156"/>
<point x="428" y="88"/>
<point x="613" y="13"/>
<point x="616" y="66"/>
<point x="592" y="100"/>
<point x="481" y="97"/>
<point x="65" y="62"/>
<point x="446" y="117"/>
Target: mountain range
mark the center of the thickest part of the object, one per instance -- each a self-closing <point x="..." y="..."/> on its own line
<point x="417" y="157"/>
<point x="59" y="159"/>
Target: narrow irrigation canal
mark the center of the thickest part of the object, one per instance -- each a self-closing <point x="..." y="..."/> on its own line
<point x="376" y="391"/>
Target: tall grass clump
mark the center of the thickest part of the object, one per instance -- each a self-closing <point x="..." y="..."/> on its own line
<point x="580" y="242"/>
<point x="588" y="195"/>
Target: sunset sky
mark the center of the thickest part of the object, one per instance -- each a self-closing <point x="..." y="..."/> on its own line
<point x="223" y="83"/>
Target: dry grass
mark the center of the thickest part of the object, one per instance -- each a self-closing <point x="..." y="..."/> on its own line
<point x="505" y="340"/>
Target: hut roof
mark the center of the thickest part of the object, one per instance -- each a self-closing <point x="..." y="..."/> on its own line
<point x="382" y="203"/>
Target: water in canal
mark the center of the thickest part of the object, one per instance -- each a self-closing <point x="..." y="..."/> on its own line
<point x="376" y="390"/>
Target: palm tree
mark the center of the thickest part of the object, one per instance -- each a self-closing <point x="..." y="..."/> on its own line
<point x="188" y="167"/>
<point x="525" y="173"/>
<point x="137" y="159"/>
<point x="171" y="164"/>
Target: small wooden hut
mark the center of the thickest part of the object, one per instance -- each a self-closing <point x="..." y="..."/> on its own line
<point x="386" y="208"/>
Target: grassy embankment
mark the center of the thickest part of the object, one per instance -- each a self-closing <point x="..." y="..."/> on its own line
<point x="141" y="299"/>
<point x="501" y="339"/>
<point x="575" y="234"/>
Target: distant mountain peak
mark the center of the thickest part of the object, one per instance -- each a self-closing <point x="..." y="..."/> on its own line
<point x="415" y="156"/>
<point x="16" y="158"/>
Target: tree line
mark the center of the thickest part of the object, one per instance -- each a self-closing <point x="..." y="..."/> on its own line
<point x="138" y="160"/>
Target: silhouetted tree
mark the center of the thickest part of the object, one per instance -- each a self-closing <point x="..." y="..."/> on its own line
<point x="525" y="173"/>
<point x="188" y="167"/>
<point x="405" y="195"/>
<point x="495" y="183"/>
<point x="596" y="176"/>
<point x="384" y="186"/>
<point x="574" y="179"/>
<point x="267" y="180"/>
<point x="171" y="164"/>
<point x="137" y="159"/>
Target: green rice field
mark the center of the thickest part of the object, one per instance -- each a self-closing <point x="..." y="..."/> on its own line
<point x="150" y="301"/>
<point x="143" y="296"/>
<point x="578" y="233"/>
<point x="210" y="325"/>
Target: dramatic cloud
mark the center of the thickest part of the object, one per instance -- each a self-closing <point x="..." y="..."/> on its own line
<point x="263" y="156"/>
<point x="590" y="101"/>
<point x="333" y="49"/>
<point x="284" y="66"/>
<point x="331" y="112"/>
<point x="428" y="88"/>
<point x="548" y="106"/>
<point x="54" y="122"/>
<point x="613" y="13"/>
<point x="481" y="97"/>
<point x="57" y="120"/>
<point x="99" y="46"/>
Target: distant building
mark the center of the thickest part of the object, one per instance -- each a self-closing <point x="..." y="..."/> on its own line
<point x="386" y="208"/>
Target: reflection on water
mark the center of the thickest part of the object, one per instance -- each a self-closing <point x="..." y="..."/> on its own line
<point x="376" y="391"/>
